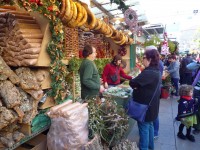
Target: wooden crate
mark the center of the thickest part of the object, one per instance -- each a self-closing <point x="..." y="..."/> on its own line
<point x="37" y="143"/>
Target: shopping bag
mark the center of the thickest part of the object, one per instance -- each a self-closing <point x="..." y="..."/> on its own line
<point x="136" y="110"/>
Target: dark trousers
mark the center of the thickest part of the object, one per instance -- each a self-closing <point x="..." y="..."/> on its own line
<point x="187" y="78"/>
<point x="181" y="129"/>
<point x="175" y="82"/>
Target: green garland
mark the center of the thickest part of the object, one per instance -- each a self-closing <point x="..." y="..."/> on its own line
<point x="122" y="6"/>
<point x="58" y="71"/>
<point x="107" y="119"/>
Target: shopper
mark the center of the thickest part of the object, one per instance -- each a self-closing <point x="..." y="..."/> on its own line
<point x="113" y="71"/>
<point x="186" y="112"/>
<point x="196" y="93"/>
<point x="89" y="76"/>
<point x="186" y="73"/>
<point x="173" y="69"/>
<point x="144" y="86"/>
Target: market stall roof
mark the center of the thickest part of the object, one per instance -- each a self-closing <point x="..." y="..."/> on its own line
<point x="156" y="16"/>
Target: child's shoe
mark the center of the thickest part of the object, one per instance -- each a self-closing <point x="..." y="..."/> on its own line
<point x="181" y="135"/>
<point x="190" y="138"/>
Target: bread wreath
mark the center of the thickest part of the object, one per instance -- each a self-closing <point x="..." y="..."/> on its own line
<point x="99" y="24"/>
<point x="63" y="8"/>
<point x="91" y="20"/>
<point x="111" y="32"/>
<point x="84" y="18"/>
<point x="80" y="14"/>
<point x="120" y="37"/>
<point x="66" y="17"/>
<point x="124" y="41"/>
<point x="115" y="34"/>
<point x="71" y="22"/>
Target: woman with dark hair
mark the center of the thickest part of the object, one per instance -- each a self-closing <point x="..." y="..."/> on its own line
<point x="144" y="86"/>
<point x="113" y="71"/>
<point x="89" y="76"/>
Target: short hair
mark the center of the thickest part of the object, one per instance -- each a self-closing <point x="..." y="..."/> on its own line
<point x="185" y="90"/>
<point x="153" y="55"/>
<point x="88" y="49"/>
<point x="116" y="58"/>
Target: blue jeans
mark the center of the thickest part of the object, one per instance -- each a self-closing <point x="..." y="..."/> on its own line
<point x="146" y="133"/>
<point x="156" y="126"/>
<point x="175" y="82"/>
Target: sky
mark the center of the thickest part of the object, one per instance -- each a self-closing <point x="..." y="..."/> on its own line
<point x="180" y="17"/>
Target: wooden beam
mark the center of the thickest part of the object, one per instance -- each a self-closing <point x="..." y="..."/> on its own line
<point x="102" y="9"/>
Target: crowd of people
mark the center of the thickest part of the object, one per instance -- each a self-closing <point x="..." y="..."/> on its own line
<point x="185" y="78"/>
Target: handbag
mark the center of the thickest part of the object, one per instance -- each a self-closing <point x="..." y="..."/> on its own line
<point x="137" y="110"/>
<point x="114" y="77"/>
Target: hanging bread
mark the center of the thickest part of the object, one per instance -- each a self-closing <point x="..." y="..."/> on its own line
<point x="66" y="16"/>
<point x="84" y="18"/>
<point x="71" y="22"/>
<point x="80" y="15"/>
<point x="91" y="20"/>
<point x="63" y="8"/>
<point x="98" y="25"/>
<point x="111" y="32"/>
<point x="124" y="41"/>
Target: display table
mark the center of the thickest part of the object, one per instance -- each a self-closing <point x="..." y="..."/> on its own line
<point x="121" y="95"/>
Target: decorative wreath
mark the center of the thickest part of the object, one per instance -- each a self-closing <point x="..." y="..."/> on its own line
<point x="122" y="51"/>
<point x="130" y="17"/>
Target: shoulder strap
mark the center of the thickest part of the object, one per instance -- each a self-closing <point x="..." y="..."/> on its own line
<point x="154" y="93"/>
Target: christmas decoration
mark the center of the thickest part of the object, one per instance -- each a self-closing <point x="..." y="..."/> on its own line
<point x="139" y="32"/>
<point x="49" y="9"/>
<point x="122" y="51"/>
<point x="130" y="17"/>
<point x="164" y="47"/>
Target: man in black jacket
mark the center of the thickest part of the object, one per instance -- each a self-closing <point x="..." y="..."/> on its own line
<point x="186" y="74"/>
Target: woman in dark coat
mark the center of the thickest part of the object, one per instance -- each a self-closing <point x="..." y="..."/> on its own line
<point x="144" y="86"/>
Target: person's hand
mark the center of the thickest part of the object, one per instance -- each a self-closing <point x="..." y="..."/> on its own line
<point x="106" y="85"/>
<point x="101" y="81"/>
<point x="101" y="89"/>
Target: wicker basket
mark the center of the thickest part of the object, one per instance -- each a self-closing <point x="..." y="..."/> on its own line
<point x="71" y="43"/>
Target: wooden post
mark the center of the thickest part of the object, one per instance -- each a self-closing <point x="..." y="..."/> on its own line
<point x="74" y="87"/>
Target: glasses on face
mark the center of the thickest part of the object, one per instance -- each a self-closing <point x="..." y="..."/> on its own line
<point x="144" y="57"/>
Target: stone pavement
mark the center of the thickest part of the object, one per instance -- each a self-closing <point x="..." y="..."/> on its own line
<point x="168" y="139"/>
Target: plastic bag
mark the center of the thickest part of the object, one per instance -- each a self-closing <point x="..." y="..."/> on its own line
<point x="69" y="130"/>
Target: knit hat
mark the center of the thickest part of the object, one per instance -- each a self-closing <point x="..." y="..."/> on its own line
<point x="150" y="47"/>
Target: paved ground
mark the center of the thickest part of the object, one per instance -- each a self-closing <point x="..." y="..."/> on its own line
<point x="168" y="139"/>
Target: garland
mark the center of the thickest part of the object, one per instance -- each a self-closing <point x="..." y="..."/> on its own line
<point x="50" y="9"/>
<point x="122" y="6"/>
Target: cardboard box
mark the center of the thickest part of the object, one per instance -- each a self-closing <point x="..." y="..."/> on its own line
<point x="37" y="143"/>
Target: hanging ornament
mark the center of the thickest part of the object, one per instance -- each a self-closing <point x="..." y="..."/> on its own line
<point x="122" y="51"/>
<point x="133" y="28"/>
<point x="139" y="31"/>
<point x="130" y="17"/>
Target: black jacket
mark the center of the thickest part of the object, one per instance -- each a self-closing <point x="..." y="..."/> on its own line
<point x="144" y="86"/>
<point x="186" y="108"/>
